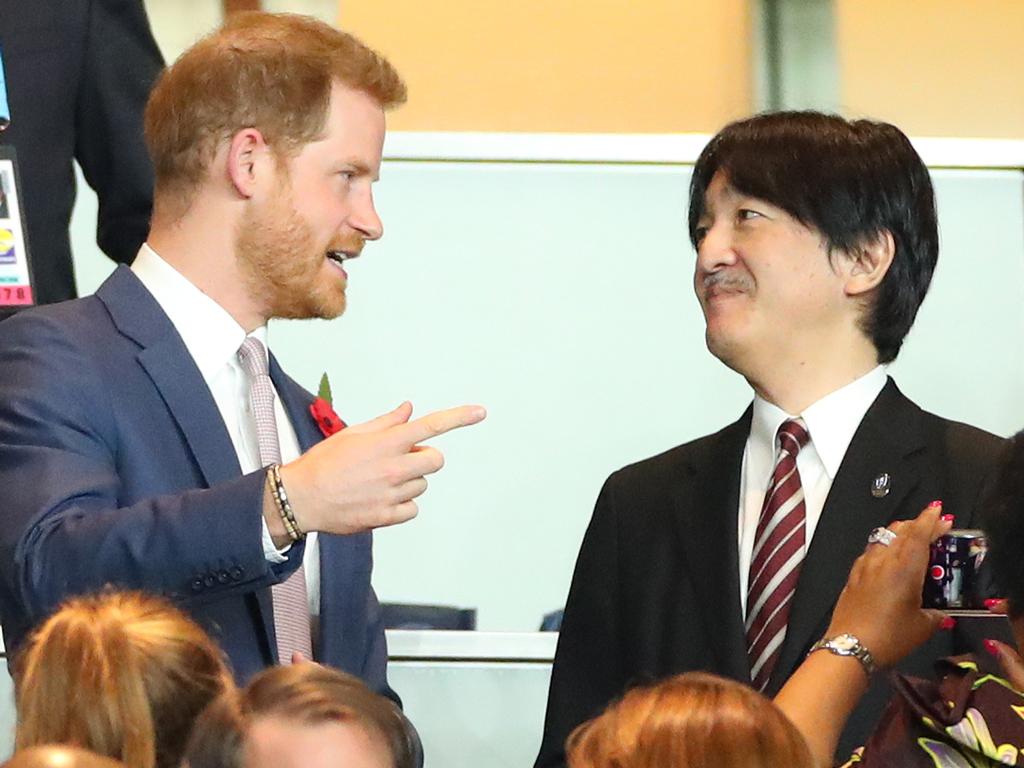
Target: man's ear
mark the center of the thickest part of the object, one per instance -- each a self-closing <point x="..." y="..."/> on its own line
<point x="868" y="263"/>
<point x="247" y="152"/>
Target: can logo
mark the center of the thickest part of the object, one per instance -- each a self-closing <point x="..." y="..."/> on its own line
<point x="956" y="580"/>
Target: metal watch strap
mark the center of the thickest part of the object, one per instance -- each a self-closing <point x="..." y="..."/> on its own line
<point x="846" y="645"/>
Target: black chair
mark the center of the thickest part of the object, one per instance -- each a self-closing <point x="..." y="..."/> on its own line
<point x="552" y="622"/>
<point x="411" y="616"/>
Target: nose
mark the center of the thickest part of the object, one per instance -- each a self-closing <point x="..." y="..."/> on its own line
<point x="715" y="250"/>
<point x="364" y="217"/>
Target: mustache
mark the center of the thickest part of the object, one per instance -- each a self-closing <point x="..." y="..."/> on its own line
<point x="352" y="244"/>
<point x="726" y="282"/>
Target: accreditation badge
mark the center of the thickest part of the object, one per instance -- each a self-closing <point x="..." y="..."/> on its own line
<point x="15" y="264"/>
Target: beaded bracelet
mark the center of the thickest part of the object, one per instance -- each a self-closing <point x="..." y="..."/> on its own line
<point x="284" y="508"/>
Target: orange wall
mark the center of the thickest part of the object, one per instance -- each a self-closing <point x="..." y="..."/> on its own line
<point x="563" y="65"/>
<point x="934" y="67"/>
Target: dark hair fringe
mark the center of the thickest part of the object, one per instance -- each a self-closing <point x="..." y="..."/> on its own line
<point x="850" y="180"/>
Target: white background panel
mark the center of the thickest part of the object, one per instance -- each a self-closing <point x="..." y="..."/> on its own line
<point x="559" y="296"/>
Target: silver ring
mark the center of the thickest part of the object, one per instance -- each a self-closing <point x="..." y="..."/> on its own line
<point x="882" y="536"/>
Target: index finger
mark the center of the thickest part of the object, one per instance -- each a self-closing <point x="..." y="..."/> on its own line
<point x="915" y="537"/>
<point x="437" y="423"/>
<point x="925" y="527"/>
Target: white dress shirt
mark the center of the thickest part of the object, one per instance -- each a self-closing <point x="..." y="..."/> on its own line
<point x="831" y="423"/>
<point x="213" y="337"/>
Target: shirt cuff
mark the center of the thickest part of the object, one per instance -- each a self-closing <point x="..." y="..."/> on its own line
<point x="271" y="552"/>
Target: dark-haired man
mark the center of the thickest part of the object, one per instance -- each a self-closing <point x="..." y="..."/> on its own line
<point x="816" y="240"/>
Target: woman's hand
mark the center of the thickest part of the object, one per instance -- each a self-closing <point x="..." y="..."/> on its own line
<point x="881" y="603"/>
<point x="1009" y="658"/>
<point x="881" y="606"/>
<point x="1009" y="661"/>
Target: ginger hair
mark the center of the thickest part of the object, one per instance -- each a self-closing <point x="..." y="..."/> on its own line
<point x="123" y="674"/>
<point x="693" y="720"/>
<point x="272" y="72"/>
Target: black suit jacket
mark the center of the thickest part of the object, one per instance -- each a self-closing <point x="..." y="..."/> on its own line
<point x="78" y="76"/>
<point x="656" y="586"/>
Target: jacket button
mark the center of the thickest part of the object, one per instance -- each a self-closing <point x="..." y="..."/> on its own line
<point x="237" y="573"/>
<point x="197" y="585"/>
<point x="210" y="579"/>
<point x="223" y="577"/>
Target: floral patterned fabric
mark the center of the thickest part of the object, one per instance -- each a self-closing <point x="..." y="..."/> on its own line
<point x="968" y="719"/>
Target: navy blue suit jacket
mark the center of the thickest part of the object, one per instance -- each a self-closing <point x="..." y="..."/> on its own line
<point x="116" y="468"/>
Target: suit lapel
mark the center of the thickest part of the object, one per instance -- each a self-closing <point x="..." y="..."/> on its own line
<point x="890" y="440"/>
<point x="707" y="530"/>
<point x="177" y="378"/>
<point x="173" y="372"/>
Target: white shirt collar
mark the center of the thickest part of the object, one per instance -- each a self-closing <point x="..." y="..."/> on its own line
<point x="831" y="423"/>
<point x="211" y="335"/>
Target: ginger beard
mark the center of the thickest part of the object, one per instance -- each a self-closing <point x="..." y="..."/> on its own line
<point x="283" y="267"/>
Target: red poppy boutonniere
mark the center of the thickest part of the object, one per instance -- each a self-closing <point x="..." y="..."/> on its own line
<point x="323" y="413"/>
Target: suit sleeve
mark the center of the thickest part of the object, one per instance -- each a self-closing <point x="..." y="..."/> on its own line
<point x="587" y="675"/>
<point x="122" y="61"/>
<point x="66" y="528"/>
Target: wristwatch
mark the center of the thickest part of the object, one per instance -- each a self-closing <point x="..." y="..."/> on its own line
<point x="846" y="645"/>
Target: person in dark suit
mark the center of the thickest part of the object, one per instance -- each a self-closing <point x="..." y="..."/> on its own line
<point x="816" y="240"/>
<point x="78" y="73"/>
<point x="144" y="445"/>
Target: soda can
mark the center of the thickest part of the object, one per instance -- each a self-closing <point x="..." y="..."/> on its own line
<point x="954" y="579"/>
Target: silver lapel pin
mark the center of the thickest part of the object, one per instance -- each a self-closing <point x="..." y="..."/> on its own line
<point x="880" y="485"/>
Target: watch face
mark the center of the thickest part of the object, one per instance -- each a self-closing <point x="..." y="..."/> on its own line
<point x="845" y="642"/>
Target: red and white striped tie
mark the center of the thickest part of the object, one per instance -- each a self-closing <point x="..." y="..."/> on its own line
<point x="778" y="553"/>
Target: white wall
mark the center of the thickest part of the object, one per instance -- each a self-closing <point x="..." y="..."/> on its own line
<point x="559" y="296"/>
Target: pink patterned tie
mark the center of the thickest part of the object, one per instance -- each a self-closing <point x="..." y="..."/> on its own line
<point x="291" y="609"/>
<point x="778" y="553"/>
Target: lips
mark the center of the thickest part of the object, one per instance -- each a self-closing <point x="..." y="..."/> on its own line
<point x="338" y="257"/>
<point x="721" y="292"/>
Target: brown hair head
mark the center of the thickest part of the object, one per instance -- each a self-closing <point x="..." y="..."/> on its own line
<point x="304" y="693"/>
<point x="123" y="674"/>
<point x="689" y="721"/>
<point x="272" y="72"/>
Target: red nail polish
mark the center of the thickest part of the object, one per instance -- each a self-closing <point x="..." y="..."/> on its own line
<point x="936" y="503"/>
<point x="948" y="622"/>
<point x="992" y="602"/>
<point x="949" y="518"/>
<point x="991" y="647"/>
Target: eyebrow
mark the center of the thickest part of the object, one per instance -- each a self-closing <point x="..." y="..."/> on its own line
<point x="361" y="168"/>
<point x="728" y="191"/>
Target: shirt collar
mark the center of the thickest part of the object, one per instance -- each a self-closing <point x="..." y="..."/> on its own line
<point x="211" y="335"/>
<point x="831" y="423"/>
